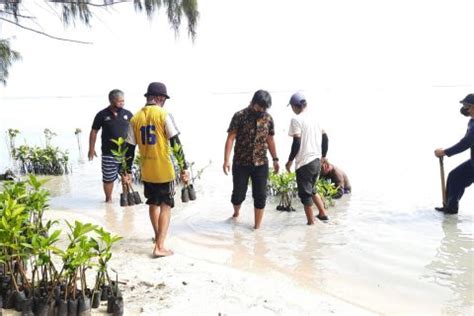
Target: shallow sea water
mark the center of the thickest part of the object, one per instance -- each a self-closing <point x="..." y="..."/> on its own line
<point x="384" y="247"/>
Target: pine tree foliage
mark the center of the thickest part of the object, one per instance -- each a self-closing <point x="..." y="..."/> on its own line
<point x="7" y="57"/>
<point x="82" y="11"/>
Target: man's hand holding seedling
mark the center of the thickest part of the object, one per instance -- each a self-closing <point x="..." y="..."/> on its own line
<point x="184" y="176"/>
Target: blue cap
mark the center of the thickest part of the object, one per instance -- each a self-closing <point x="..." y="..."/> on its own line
<point x="469" y="99"/>
<point x="296" y="99"/>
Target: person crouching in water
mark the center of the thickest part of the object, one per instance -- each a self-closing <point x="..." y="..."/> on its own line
<point x="310" y="145"/>
<point x="336" y="176"/>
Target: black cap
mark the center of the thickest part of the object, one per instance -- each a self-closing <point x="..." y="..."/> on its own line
<point x="469" y="99"/>
<point x="156" y="89"/>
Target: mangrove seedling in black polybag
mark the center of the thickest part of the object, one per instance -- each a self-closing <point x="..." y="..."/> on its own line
<point x="187" y="191"/>
<point x="128" y="197"/>
<point x="284" y="186"/>
<point x="103" y="248"/>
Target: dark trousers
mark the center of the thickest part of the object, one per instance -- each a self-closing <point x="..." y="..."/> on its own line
<point x="306" y="177"/>
<point x="240" y="178"/>
<point x="458" y="180"/>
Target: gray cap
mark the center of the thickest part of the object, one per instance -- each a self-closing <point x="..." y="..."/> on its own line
<point x="296" y="99"/>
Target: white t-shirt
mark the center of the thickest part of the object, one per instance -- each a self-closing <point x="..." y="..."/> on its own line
<point x="307" y="127"/>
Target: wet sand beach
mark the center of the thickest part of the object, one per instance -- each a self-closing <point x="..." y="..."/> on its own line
<point x="384" y="262"/>
<point x="384" y="249"/>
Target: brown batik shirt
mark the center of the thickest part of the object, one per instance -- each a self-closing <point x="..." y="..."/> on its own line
<point x="252" y="128"/>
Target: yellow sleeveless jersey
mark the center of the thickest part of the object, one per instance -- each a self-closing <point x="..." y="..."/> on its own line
<point x="149" y="127"/>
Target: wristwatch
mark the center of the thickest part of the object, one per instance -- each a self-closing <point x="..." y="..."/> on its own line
<point x="275" y="159"/>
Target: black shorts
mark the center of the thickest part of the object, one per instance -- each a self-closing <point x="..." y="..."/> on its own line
<point x="157" y="193"/>
<point x="306" y="177"/>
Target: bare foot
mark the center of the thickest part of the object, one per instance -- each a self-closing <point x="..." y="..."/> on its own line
<point x="162" y="253"/>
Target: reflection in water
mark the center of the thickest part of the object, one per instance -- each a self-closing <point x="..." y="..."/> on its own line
<point x="452" y="267"/>
<point x="295" y="251"/>
<point x="57" y="185"/>
<point x="309" y="266"/>
<point x="119" y="219"/>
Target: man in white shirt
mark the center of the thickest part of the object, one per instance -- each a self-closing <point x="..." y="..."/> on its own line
<point x="310" y="145"/>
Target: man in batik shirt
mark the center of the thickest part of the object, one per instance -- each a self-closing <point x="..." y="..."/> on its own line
<point x="252" y="129"/>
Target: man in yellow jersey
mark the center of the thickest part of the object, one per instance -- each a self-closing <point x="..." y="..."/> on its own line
<point x="153" y="130"/>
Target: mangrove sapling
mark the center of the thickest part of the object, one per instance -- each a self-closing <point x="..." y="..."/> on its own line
<point x="177" y="151"/>
<point x="78" y="133"/>
<point x="134" y="194"/>
<point x="103" y="251"/>
<point x="36" y="202"/>
<point x="49" y="160"/>
<point x="43" y="246"/>
<point x="191" y="189"/>
<point x="12" y="133"/>
<point x="34" y="199"/>
<point x="136" y="169"/>
<point x="327" y="190"/>
<point x="115" y="301"/>
<point x="76" y="258"/>
<point x="126" y="197"/>
<point x="48" y="135"/>
<point x="283" y="185"/>
<point x="15" y="247"/>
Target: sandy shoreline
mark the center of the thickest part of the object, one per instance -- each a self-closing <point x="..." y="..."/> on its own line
<point x="185" y="285"/>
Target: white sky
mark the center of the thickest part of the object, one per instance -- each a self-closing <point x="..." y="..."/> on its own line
<point x="369" y="66"/>
<point x="249" y="44"/>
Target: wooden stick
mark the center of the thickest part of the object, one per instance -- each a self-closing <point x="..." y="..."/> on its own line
<point x="443" y="181"/>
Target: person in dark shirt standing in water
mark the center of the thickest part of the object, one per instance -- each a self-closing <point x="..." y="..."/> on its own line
<point x="463" y="175"/>
<point x="114" y="121"/>
<point x="252" y="128"/>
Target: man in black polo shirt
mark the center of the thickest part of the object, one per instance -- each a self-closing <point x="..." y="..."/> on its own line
<point x="114" y="121"/>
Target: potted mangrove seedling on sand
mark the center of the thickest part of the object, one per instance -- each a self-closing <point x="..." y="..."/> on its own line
<point x="105" y="289"/>
<point x="29" y="281"/>
<point x="187" y="191"/>
<point x="76" y="259"/>
<point x="128" y="197"/>
<point x="25" y="239"/>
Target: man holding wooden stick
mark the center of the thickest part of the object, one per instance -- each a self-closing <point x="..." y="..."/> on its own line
<point x="463" y="175"/>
